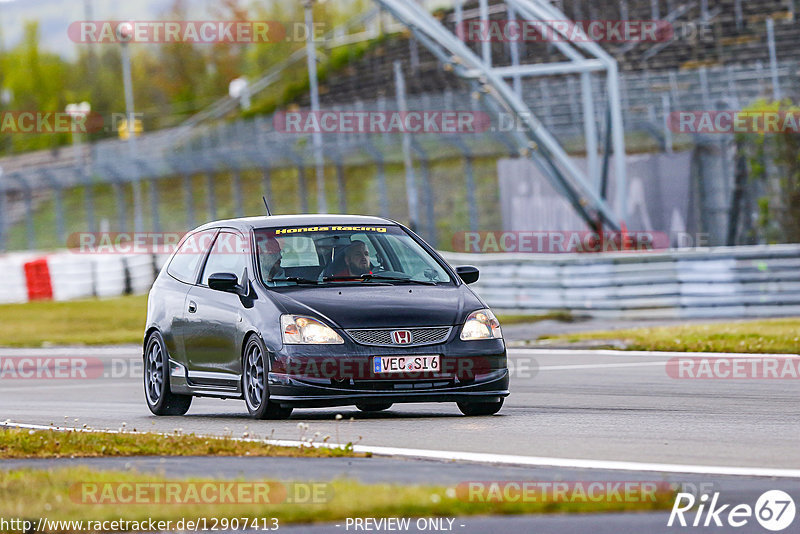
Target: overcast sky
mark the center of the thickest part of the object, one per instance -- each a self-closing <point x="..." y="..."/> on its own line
<point x="55" y="16"/>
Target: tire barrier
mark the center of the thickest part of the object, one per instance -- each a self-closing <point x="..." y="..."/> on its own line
<point x="109" y="275"/>
<point x="13" y="285"/>
<point x="141" y="272"/>
<point x="757" y="281"/>
<point x="71" y="276"/>
<point x="65" y="275"/>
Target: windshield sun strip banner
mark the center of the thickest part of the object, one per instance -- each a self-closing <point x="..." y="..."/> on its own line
<point x="303" y="229"/>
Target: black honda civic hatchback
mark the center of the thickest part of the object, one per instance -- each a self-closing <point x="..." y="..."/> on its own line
<point x="318" y="310"/>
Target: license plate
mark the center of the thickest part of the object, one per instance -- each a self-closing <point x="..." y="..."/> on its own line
<point x="406" y="364"/>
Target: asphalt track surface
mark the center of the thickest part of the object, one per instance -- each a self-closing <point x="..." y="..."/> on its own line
<point x="598" y="405"/>
<point x="566" y="408"/>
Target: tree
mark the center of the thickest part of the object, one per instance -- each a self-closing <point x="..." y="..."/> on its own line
<point x="774" y="166"/>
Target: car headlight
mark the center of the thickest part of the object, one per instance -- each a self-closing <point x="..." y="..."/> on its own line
<point x="301" y="330"/>
<point x="481" y="324"/>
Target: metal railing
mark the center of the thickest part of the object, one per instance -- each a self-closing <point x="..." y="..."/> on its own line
<point x="717" y="282"/>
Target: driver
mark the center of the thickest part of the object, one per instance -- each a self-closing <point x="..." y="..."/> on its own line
<point x="269" y="258"/>
<point x="356" y="260"/>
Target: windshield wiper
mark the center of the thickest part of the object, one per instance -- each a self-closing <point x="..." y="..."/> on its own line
<point x="345" y="278"/>
<point x="295" y="279"/>
<point x="379" y="277"/>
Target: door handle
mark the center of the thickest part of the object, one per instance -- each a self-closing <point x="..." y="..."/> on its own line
<point x="192" y="306"/>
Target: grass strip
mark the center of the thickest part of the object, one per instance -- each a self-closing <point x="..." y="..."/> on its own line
<point x="22" y="443"/>
<point x="61" y="494"/>
<point x="508" y="319"/>
<point x="79" y="322"/>
<point x="774" y="336"/>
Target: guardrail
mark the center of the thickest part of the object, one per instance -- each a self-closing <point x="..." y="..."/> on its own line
<point x="757" y="281"/>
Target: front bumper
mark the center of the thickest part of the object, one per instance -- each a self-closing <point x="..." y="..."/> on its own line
<point x="470" y="371"/>
<point x="299" y="393"/>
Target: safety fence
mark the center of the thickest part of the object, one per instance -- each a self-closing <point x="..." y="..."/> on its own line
<point x="75" y="189"/>
<point x="757" y="281"/>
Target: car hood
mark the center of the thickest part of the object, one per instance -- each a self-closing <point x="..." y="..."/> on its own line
<point x="378" y="306"/>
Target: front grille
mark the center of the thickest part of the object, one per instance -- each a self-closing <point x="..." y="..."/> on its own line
<point x="382" y="337"/>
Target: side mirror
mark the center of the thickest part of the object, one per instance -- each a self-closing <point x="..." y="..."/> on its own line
<point x="468" y="273"/>
<point x="227" y="282"/>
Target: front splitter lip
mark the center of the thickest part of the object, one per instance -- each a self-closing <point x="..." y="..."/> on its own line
<point x="492" y="388"/>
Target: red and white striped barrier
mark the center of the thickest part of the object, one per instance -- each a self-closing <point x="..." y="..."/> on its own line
<point x="64" y="275"/>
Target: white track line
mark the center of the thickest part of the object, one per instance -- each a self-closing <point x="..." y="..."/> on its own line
<point x="638" y="353"/>
<point x="48" y="385"/>
<point x="50" y="352"/>
<point x="496" y="459"/>
<point x="598" y="366"/>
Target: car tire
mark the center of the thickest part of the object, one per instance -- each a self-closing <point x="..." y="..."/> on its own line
<point x="157" y="394"/>
<point x="255" y="366"/>
<point x="480" y="408"/>
<point x="374" y="407"/>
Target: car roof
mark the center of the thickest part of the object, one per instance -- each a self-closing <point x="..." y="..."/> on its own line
<point x="305" y="219"/>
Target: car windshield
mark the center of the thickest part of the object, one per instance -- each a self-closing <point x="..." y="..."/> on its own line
<point x="344" y="254"/>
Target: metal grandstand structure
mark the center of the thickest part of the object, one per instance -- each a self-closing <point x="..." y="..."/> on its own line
<point x="548" y="96"/>
<point x="534" y="140"/>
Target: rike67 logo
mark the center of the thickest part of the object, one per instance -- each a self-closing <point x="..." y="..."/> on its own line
<point x="774" y="510"/>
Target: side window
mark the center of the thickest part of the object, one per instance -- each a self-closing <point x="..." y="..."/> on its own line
<point x="228" y="255"/>
<point x="184" y="263"/>
<point x="299" y="251"/>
